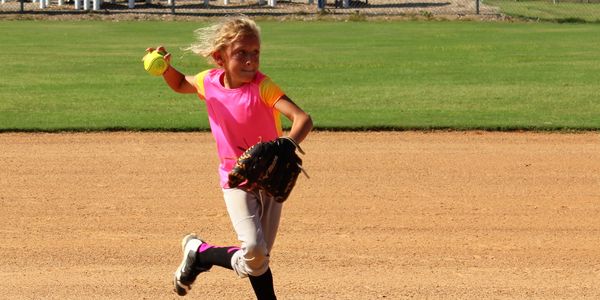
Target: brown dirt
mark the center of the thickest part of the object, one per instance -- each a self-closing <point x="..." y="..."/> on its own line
<point x="384" y="215"/>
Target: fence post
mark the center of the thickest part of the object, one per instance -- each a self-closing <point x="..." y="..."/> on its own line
<point x="22" y="6"/>
<point x="321" y="5"/>
<point x="477" y="6"/>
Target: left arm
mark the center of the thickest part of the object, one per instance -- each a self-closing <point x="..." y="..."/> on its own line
<point x="301" y="121"/>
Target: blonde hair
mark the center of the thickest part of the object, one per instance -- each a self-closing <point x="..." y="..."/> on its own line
<point x="219" y="35"/>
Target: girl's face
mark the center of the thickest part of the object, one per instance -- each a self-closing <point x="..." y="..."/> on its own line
<point x="240" y="60"/>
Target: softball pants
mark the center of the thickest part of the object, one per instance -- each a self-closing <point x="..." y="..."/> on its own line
<point x="255" y="217"/>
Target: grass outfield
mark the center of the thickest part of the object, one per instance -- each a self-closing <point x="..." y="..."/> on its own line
<point x="87" y="75"/>
<point x="550" y="10"/>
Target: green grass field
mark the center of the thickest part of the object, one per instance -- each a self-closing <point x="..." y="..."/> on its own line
<point x="87" y="75"/>
<point x="549" y="10"/>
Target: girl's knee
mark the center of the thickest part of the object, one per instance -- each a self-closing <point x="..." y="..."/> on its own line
<point x="257" y="259"/>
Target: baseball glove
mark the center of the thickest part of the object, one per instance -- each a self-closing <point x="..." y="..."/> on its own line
<point x="270" y="166"/>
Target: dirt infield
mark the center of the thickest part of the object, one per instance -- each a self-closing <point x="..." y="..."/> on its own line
<point x="449" y="215"/>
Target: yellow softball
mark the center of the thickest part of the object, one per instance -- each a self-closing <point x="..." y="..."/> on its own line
<point x="154" y="63"/>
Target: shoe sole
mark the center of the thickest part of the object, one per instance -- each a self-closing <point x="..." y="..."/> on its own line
<point x="179" y="288"/>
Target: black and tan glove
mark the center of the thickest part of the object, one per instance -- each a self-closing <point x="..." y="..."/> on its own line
<point x="270" y="166"/>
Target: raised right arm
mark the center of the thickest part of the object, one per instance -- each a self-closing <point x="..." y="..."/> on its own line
<point x="179" y="82"/>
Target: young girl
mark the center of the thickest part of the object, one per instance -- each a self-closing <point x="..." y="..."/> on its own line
<point x="243" y="107"/>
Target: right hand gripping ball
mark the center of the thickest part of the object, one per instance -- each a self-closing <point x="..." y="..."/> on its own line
<point x="155" y="63"/>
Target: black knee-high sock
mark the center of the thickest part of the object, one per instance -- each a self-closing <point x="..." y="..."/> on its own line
<point x="263" y="286"/>
<point x="209" y="255"/>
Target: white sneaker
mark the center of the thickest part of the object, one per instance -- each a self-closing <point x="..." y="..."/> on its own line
<point x="188" y="270"/>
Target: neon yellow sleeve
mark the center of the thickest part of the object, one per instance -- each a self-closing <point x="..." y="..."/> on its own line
<point x="270" y="92"/>
<point x="200" y="83"/>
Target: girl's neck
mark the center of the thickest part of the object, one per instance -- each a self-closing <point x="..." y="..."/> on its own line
<point x="226" y="82"/>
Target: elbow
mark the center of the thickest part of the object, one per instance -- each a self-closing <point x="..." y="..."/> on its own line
<point x="178" y="90"/>
<point x="304" y="120"/>
<point x="178" y="87"/>
<point x="309" y="122"/>
<point x="177" y="82"/>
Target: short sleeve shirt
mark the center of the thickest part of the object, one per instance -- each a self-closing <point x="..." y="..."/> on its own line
<point x="241" y="117"/>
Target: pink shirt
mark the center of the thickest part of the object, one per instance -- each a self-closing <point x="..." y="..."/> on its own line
<point x="241" y="117"/>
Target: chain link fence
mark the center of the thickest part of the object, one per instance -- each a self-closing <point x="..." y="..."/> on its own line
<point x="556" y="10"/>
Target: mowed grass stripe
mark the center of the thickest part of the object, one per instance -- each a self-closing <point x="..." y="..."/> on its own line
<point x="349" y="75"/>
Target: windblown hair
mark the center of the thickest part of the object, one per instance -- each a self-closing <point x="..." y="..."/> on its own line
<point x="219" y="35"/>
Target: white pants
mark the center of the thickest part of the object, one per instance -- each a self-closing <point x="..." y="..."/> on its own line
<point x="255" y="217"/>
